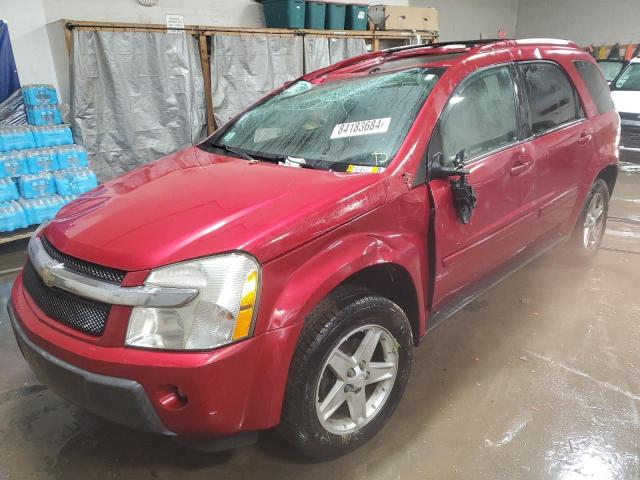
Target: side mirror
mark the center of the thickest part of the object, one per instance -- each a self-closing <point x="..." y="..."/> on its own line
<point x="464" y="197"/>
<point x="437" y="170"/>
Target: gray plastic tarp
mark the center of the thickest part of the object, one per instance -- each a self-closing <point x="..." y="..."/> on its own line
<point x="244" y="68"/>
<point x="316" y="53"/>
<point x="135" y="96"/>
<point x="320" y="52"/>
<point x="342" y="48"/>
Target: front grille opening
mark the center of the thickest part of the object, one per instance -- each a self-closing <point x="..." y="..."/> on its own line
<point x="630" y="136"/>
<point x="76" y="312"/>
<point x="107" y="274"/>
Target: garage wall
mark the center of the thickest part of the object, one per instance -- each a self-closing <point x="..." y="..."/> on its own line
<point x="471" y="19"/>
<point x="583" y="21"/>
<point x="241" y="13"/>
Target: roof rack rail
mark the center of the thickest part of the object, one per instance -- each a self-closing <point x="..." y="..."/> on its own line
<point x="466" y="43"/>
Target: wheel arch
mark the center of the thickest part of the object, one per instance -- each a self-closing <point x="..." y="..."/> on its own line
<point x="371" y="261"/>
<point x="392" y="281"/>
<point x="609" y="174"/>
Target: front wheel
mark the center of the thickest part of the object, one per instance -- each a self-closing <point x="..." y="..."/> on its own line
<point x="589" y="231"/>
<point x="348" y="373"/>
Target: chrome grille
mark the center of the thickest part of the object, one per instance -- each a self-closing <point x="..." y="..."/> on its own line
<point x="89" y="269"/>
<point x="79" y="313"/>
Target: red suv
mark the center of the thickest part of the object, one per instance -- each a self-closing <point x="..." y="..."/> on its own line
<point x="280" y="273"/>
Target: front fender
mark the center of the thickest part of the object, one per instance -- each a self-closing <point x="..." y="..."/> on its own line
<point x="320" y="274"/>
<point x="298" y="281"/>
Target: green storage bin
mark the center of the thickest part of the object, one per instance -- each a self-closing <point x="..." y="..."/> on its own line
<point x="357" y="16"/>
<point x="284" y="13"/>
<point x="334" y="18"/>
<point x="315" y="14"/>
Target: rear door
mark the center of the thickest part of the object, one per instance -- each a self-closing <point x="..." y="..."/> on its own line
<point x="481" y="119"/>
<point x="561" y="142"/>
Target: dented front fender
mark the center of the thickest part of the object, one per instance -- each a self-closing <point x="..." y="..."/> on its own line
<point x="394" y="233"/>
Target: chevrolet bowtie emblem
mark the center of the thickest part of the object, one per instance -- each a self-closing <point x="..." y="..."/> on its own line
<point x="47" y="275"/>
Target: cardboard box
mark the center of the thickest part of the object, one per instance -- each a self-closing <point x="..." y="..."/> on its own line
<point x="391" y="17"/>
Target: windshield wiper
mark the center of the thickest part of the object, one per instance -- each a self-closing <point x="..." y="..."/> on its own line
<point x="227" y="148"/>
<point x="301" y="162"/>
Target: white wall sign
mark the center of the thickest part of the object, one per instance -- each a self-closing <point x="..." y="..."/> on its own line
<point x="174" y="22"/>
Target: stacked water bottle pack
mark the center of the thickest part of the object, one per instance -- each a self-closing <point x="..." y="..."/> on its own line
<point x="40" y="168"/>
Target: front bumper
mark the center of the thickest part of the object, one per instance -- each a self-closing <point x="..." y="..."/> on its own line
<point x="233" y="389"/>
<point x="117" y="399"/>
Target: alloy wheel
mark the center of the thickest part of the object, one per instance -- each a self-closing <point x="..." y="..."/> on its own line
<point x="593" y="222"/>
<point x="356" y="379"/>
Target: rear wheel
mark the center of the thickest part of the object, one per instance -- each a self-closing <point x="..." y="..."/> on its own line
<point x="348" y="373"/>
<point x="587" y="236"/>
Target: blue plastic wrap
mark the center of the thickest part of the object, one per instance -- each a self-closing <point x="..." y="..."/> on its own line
<point x="70" y="156"/>
<point x="12" y="217"/>
<point x="44" y="115"/>
<point x="41" y="209"/>
<point x="8" y="190"/>
<point x="16" y="138"/>
<point x="52" y="136"/>
<point x="41" y="160"/>
<point x="35" y="94"/>
<point x="13" y="164"/>
<point x="38" y="185"/>
<point x="75" y="181"/>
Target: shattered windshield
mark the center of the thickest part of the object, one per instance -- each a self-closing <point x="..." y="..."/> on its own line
<point x="337" y="125"/>
<point x="610" y="69"/>
<point x="629" y="79"/>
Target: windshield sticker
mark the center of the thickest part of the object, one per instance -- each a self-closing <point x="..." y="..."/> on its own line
<point x="364" y="169"/>
<point x="363" y="127"/>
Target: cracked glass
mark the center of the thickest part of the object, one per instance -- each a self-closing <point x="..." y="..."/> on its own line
<point x="356" y="121"/>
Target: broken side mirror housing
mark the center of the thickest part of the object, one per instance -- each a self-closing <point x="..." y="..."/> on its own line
<point x="437" y="170"/>
<point x="464" y="197"/>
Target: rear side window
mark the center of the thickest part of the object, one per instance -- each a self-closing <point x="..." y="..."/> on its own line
<point x="596" y="84"/>
<point x="480" y="116"/>
<point x="552" y="99"/>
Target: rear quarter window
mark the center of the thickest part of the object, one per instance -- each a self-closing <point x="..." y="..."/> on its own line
<point x="596" y="84"/>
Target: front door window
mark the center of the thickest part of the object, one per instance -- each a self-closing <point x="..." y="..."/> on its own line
<point x="480" y="116"/>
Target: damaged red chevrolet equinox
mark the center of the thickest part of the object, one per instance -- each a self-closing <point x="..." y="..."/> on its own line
<point x="280" y="273"/>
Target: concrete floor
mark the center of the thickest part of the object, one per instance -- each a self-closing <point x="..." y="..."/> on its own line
<point x="538" y="379"/>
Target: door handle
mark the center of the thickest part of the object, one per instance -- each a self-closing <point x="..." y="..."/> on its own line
<point x="584" y="138"/>
<point x="519" y="168"/>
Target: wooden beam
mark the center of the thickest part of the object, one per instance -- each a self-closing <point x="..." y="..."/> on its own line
<point x="68" y="38"/>
<point x="20" y="234"/>
<point x="375" y="43"/>
<point x="212" y="30"/>
<point x="206" y="76"/>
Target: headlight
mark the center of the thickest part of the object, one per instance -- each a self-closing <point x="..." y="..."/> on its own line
<point x="221" y="313"/>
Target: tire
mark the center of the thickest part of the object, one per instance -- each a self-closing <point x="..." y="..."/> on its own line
<point x="335" y="332"/>
<point x="584" y="246"/>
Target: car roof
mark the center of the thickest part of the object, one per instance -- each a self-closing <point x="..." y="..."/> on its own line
<point x="635" y="60"/>
<point x="441" y="54"/>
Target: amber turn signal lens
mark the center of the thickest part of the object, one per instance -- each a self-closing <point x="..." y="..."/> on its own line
<point x="247" y="304"/>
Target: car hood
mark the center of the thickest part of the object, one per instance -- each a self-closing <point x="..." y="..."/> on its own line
<point x="193" y="203"/>
<point x="626" y="101"/>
